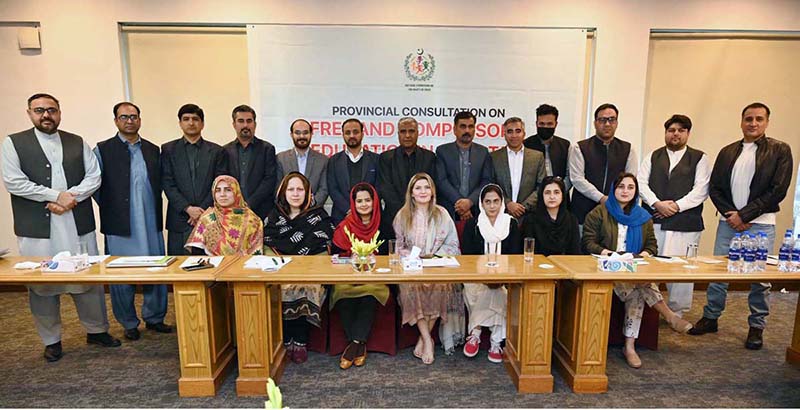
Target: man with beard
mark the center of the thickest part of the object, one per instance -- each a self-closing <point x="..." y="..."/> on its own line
<point x="673" y="184"/>
<point x="463" y="168"/>
<point x="397" y="166"/>
<point x="554" y="148"/>
<point x="349" y="167"/>
<point x="252" y="162"/>
<point x="305" y="160"/>
<point x="51" y="175"/>
<point x="131" y="215"/>
<point x="188" y="167"/>
<point x="596" y="162"/>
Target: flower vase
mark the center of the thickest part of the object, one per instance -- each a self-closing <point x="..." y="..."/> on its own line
<point x="363" y="263"/>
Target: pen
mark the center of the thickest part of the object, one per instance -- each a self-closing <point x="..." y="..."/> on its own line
<point x="273" y="261"/>
<point x="282" y="261"/>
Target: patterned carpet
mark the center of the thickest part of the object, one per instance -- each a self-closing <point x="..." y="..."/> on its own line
<point x="708" y="371"/>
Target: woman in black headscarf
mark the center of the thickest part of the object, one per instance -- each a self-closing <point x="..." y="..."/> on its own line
<point x="553" y="226"/>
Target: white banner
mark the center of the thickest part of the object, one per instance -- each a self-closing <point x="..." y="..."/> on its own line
<point x="378" y="74"/>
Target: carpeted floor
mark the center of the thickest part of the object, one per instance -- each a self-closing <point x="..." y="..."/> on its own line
<point x="708" y="371"/>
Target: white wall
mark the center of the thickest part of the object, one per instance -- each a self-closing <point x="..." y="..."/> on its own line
<point x="80" y="61"/>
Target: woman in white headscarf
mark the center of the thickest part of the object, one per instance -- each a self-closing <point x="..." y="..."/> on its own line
<point x="487" y="303"/>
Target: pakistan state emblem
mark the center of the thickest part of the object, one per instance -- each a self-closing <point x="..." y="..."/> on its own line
<point x="420" y="66"/>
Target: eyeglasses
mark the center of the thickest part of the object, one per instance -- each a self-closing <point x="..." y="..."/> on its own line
<point x="301" y="132"/>
<point x="125" y="117"/>
<point x="606" y="120"/>
<point x="41" y="111"/>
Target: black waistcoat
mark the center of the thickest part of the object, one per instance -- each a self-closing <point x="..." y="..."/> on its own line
<point x="675" y="185"/>
<point x="115" y="191"/>
<point x="31" y="218"/>
<point x="600" y="162"/>
<point x="559" y="150"/>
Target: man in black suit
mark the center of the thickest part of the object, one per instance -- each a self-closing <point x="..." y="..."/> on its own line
<point x="397" y="166"/>
<point x="252" y="161"/>
<point x="349" y="167"/>
<point x="554" y="148"/>
<point x="463" y="168"/>
<point x="188" y="167"/>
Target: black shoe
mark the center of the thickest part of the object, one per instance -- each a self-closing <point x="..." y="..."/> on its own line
<point x="102" y="339"/>
<point x="754" y="340"/>
<point x="132" y="334"/>
<point x="53" y="353"/>
<point x="159" y="327"/>
<point x="703" y="326"/>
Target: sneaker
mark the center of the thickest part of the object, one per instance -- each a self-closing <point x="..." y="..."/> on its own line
<point x="496" y="354"/>
<point x="472" y="346"/>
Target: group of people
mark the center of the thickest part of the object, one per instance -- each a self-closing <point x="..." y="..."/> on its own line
<point x="244" y="199"/>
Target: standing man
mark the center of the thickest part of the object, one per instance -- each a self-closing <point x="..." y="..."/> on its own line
<point x="131" y="215"/>
<point x="554" y="148"/>
<point x="518" y="170"/>
<point x="349" y="167"/>
<point x="188" y="167"/>
<point x="463" y="168"/>
<point x="305" y="160"/>
<point x="252" y="162"/>
<point x="596" y="162"/>
<point x="673" y="184"/>
<point x="51" y="175"/>
<point x="749" y="180"/>
<point x="397" y="166"/>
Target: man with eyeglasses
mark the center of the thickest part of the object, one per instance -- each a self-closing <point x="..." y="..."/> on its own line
<point x="189" y="165"/>
<point x="350" y="166"/>
<point x="312" y="164"/>
<point x="51" y="175"/>
<point x="596" y="162"/>
<point x="252" y="162"/>
<point x="673" y="184"/>
<point x="131" y="216"/>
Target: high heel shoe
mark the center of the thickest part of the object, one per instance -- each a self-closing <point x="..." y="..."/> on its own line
<point x="362" y="358"/>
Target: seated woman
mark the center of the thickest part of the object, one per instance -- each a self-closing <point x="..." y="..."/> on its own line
<point x="622" y="225"/>
<point x="357" y="303"/>
<point x="229" y="227"/>
<point x="552" y="225"/>
<point x="486" y="304"/>
<point x="298" y="227"/>
<point x="422" y="223"/>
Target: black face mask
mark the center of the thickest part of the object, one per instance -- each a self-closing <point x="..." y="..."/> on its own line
<point x="545" y="133"/>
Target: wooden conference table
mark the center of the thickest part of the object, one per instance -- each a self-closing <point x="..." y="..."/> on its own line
<point x="584" y="311"/>
<point x="202" y="311"/>
<point x="530" y="310"/>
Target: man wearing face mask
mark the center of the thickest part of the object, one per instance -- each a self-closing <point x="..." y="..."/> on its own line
<point x="554" y="148"/>
<point x="305" y="160"/>
<point x="596" y="162"/>
<point x="349" y="167"/>
<point x="252" y="162"/>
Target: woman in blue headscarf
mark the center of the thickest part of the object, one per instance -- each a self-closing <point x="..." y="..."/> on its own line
<point x="622" y="225"/>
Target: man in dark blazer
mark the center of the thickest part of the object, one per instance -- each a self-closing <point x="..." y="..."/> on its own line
<point x="349" y="167"/>
<point x="252" y="162"/>
<point x="397" y="166"/>
<point x="518" y="170"/>
<point x="463" y="168"/>
<point x="312" y="164"/>
<point x="188" y="167"/>
<point x="554" y="148"/>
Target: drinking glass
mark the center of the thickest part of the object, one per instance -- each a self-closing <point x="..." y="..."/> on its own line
<point x="691" y="255"/>
<point x="394" y="251"/>
<point x="492" y="250"/>
<point x="530" y="245"/>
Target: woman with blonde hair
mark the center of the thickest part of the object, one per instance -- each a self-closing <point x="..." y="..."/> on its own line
<point x="428" y="226"/>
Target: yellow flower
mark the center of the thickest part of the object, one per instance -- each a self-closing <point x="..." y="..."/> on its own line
<point x="361" y="248"/>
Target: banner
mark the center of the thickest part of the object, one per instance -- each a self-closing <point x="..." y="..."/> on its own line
<point x="379" y="74"/>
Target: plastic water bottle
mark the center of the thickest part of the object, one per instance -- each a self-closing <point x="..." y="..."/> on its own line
<point x="794" y="266"/>
<point x="734" y="254"/>
<point x="749" y="250"/>
<point x="763" y="251"/>
<point x="785" y="253"/>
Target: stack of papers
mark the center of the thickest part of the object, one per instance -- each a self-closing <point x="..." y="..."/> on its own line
<point x="267" y="263"/>
<point x="140" y="261"/>
<point x="445" y="262"/>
